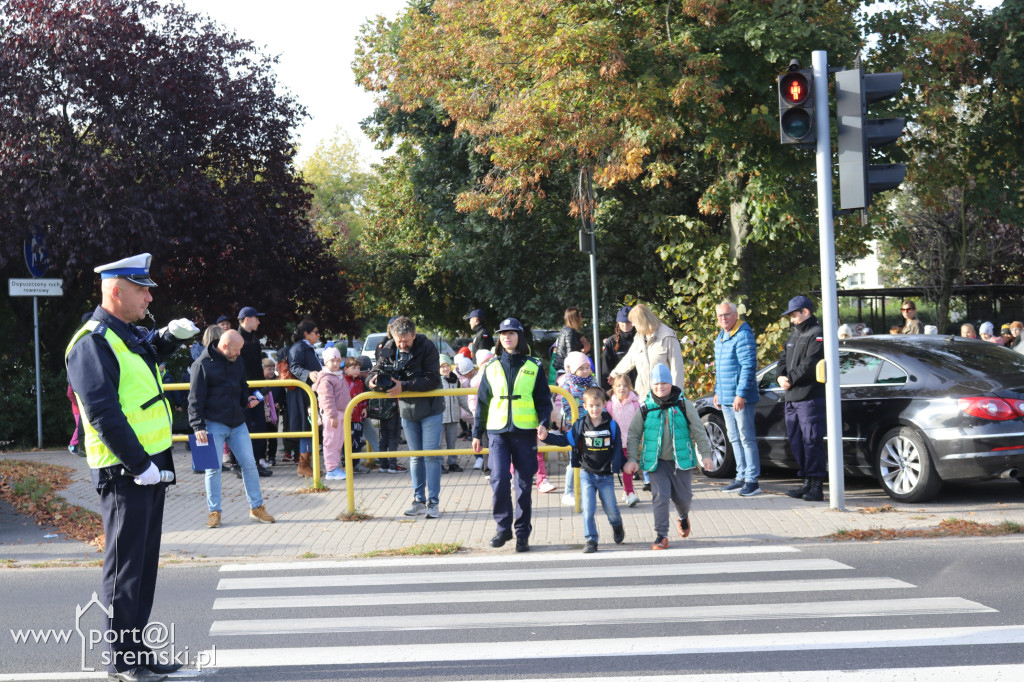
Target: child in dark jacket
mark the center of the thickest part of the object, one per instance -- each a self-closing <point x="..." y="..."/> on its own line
<point x="597" y="450"/>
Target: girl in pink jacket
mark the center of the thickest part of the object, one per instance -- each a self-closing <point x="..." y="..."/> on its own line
<point x="333" y="394"/>
<point x="623" y="405"/>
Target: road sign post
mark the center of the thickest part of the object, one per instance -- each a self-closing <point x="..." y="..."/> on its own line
<point x="35" y="288"/>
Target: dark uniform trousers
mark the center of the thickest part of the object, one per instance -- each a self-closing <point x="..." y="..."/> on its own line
<point x="518" y="450"/>
<point x="132" y="520"/>
<point x="805" y="429"/>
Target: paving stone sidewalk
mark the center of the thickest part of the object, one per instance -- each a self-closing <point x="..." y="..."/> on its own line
<point x="307" y="526"/>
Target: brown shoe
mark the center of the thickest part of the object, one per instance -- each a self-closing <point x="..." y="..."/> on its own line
<point x="260" y="514"/>
<point x="683" y="526"/>
<point x="305" y="465"/>
<point x="213" y="520"/>
<point x="660" y="542"/>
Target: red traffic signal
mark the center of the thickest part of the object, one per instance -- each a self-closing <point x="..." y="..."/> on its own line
<point x="796" y="107"/>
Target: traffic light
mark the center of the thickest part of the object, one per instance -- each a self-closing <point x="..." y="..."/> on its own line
<point x="796" y="106"/>
<point x="859" y="179"/>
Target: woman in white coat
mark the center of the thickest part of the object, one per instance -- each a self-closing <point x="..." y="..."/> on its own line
<point x="654" y="342"/>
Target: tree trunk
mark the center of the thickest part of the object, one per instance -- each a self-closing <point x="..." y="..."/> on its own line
<point x="739" y="231"/>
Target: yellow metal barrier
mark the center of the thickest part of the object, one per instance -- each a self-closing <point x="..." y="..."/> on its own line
<point x="349" y="455"/>
<point x="313" y="433"/>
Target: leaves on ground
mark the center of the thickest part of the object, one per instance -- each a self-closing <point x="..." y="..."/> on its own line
<point x="428" y="548"/>
<point x="31" y="488"/>
<point x="877" y="510"/>
<point x="946" y="528"/>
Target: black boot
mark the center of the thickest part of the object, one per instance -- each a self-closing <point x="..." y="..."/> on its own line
<point x="814" y="494"/>
<point x="801" y="491"/>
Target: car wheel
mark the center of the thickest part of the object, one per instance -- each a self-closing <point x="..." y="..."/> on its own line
<point x="722" y="462"/>
<point x="905" y="469"/>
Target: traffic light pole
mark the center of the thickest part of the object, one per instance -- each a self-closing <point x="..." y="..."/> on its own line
<point x="829" y="299"/>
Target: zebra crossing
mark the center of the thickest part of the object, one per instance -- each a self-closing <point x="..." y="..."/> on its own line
<point x="494" y="609"/>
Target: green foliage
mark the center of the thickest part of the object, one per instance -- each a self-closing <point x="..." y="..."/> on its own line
<point x="18" y="428"/>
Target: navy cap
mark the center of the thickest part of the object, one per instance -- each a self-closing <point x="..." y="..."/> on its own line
<point x="223" y="318"/>
<point x="798" y="302"/>
<point x="248" y="311"/>
<point x="510" y="324"/>
<point x="623" y="315"/>
<point x="475" y="313"/>
<point x="135" y="269"/>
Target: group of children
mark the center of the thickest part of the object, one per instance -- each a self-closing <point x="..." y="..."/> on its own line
<point x="664" y="435"/>
<point x="614" y="433"/>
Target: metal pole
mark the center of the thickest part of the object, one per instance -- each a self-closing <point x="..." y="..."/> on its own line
<point x="829" y="299"/>
<point x="39" y="393"/>
<point x="593" y="307"/>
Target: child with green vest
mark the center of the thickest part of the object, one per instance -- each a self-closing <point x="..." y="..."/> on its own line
<point x="663" y="434"/>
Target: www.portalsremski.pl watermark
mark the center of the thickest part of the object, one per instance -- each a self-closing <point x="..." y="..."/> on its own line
<point x="155" y="643"/>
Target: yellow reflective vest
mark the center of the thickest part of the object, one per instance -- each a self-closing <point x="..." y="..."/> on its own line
<point x="520" y="404"/>
<point x="142" y="398"/>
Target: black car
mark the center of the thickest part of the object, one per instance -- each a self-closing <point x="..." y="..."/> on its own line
<point x="917" y="411"/>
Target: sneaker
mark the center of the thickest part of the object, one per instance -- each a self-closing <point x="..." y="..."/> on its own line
<point x="238" y="470"/>
<point x="225" y="468"/>
<point x="288" y="458"/>
<point x="479" y="463"/>
<point x="416" y="509"/>
<point x="522" y="544"/>
<point x="444" y="469"/>
<point x="750" y="488"/>
<point x="734" y="486"/>
<point x="272" y="461"/>
<point x="213" y="520"/>
<point x="619" y="534"/>
<point x="454" y="468"/>
<point x="263" y="471"/>
<point x="335" y="475"/>
<point x="660" y="542"/>
<point x="590" y="547"/>
<point x="387" y="470"/>
<point x="569" y="500"/>
<point x="501" y="538"/>
<point x="260" y="514"/>
<point x="646" y="487"/>
<point x="546" y="486"/>
<point x="683" y="526"/>
<point x="360" y="469"/>
<point x="264" y="463"/>
<point x="398" y="469"/>
<point x="432" y="511"/>
<point x="632" y="499"/>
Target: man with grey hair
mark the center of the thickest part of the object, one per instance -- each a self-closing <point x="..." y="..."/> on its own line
<point x="410" y="362"/>
<point x="736" y="393"/>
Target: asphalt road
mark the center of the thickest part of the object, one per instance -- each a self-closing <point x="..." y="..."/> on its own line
<point x="825" y="607"/>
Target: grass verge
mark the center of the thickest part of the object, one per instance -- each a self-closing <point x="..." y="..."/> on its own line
<point x="425" y="549"/>
<point x="31" y="488"/>
<point x="951" y="527"/>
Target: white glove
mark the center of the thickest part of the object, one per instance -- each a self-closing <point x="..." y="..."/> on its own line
<point x="150" y="476"/>
<point x="182" y="329"/>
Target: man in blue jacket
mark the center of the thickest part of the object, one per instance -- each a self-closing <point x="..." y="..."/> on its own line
<point x="736" y="393"/>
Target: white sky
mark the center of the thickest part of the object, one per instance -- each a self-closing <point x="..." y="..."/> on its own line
<point x="315" y="40"/>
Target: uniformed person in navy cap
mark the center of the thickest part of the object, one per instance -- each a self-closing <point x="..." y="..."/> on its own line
<point x="126" y="417"/>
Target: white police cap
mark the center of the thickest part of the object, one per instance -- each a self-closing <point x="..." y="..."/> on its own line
<point x="134" y="269"/>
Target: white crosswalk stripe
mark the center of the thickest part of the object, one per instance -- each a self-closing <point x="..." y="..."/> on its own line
<point x="531" y="596"/>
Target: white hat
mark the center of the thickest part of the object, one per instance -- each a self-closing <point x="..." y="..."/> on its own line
<point x="574" y="361"/>
<point x="332" y="352"/>
<point x="463" y="365"/>
<point x="135" y="269"/>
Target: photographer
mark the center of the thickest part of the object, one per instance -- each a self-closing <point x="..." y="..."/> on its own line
<point x="410" y="362"/>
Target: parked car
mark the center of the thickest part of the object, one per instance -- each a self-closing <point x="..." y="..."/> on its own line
<point x="371" y="343"/>
<point x="916" y="411"/>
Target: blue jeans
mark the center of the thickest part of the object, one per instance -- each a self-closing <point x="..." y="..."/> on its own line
<point x="426" y="471"/>
<point x="238" y="440"/>
<point x="740" y="428"/>
<point x="603" y="486"/>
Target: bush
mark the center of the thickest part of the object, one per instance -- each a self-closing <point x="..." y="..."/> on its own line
<point x="18" y="427"/>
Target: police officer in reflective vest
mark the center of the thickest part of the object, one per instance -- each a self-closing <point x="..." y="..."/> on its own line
<point x="112" y="368"/>
<point x="513" y="406"/>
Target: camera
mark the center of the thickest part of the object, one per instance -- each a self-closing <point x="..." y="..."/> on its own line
<point x="391" y="369"/>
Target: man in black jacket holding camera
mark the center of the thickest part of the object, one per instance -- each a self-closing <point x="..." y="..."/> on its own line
<point x="410" y="362"/>
<point x="805" y="397"/>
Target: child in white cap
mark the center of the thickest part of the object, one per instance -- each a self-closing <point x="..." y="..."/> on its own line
<point x="662" y="437"/>
<point x="579" y="376"/>
<point x="333" y="396"/>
